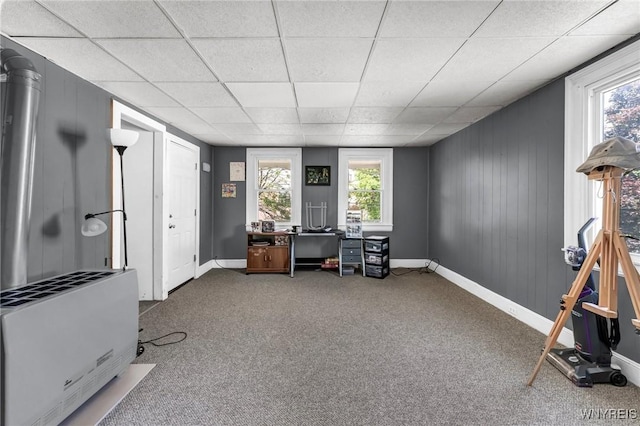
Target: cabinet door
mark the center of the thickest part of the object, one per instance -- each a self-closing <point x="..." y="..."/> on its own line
<point x="279" y="257"/>
<point x="257" y="258"/>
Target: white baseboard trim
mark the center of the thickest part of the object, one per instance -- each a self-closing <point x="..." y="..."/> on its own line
<point x="229" y="263"/>
<point x="408" y="263"/>
<point x="203" y="269"/>
<point x="629" y="368"/>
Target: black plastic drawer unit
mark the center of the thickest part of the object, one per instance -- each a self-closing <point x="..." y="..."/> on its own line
<point x="376" y="256"/>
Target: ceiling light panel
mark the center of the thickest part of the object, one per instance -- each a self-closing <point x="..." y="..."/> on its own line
<point x="330" y="19"/>
<point x="435" y="18"/>
<point x="244" y="59"/>
<point x="340" y="59"/>
<point x="537" y="18"/>
<point x="142" y="94"/>
<point x="96" y="64"/>
<point x="199" y="94"/>
<point x="116" y="19"/>
<point x="159" y="59"/>
<point x="417" y="59"/>
<point x="41" y="22"/>
<point x="223" y="18"/>
<point x="326" y="94"/>
<point x="263" y="94"/>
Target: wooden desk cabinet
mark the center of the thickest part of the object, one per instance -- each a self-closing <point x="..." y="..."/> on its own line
<point x="267" y="252"/>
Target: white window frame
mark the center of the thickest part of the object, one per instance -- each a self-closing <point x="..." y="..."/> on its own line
<point x="254" y="155"/>
<point x="582" y="132"/>
<point x="385" y="156"/>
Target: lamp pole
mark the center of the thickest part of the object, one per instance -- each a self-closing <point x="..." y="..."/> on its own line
<point x="120" y="150"/>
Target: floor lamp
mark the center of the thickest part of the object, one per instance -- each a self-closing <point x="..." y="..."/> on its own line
<point x="121" y="139"/>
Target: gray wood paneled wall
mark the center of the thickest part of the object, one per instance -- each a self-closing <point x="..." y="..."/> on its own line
<point x="72" y="174"/>
<point x="496" y="207"/>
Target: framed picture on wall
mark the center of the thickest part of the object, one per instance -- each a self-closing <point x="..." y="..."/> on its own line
<point x="317" y="175"/>
<point x="268" y="225"/>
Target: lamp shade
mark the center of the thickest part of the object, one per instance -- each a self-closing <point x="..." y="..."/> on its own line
<point x="93" y="227"/>
<point x="122" y="137"/>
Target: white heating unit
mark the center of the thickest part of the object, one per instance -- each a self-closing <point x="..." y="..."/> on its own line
<point x="62" y="340"/>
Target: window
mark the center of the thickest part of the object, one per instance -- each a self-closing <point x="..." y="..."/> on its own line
<point x="274" y="185"/>
<point x="602" y="101"/>
<point x="365" y="182"/>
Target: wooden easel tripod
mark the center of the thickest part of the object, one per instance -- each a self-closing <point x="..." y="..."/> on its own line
<point x="611" y="248"/>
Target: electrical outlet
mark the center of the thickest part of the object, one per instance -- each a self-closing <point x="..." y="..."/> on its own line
<point x="512" y="311"/>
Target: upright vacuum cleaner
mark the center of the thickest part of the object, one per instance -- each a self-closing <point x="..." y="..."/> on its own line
<point x="589" y="361"/>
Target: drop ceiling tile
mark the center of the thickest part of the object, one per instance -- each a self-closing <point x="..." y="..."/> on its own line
<point x="490" y="58"/>
<point x="424" y="115"/>
<point x="323" y="115"/>
<point x="427" y="139"/>
<point x="269" y="140"/>
<point x="380" y="140"/>
<point x="142" y="94"/>
<point x="564" y="54"/>
<point x="387" y="93"/>
<point x="340" y="59"/>
<point x="502" y="93"/>
<point x="408" y="129"/>
<point x="263" y="94"/>
<point x="365" y="129"/>
<point x="623" y="17"/>
<point x="374" y="114"/>
<point x="223" y="18"/>
<point x="322" y="129"/>
<point x="245" y="60"/>
<point x="417" y="59"/>
<point x="330" y="19"/>
<point x="159" y="59"/>
<point x="450" y="93"/>
<point x="273" y="115"/>
<point x="96" y="64"/>
<point x="239" y="129"/>
<point x="447" y="128"/>
<point x="394" y="140"/>
<point x="321" y="140"/>
<point x="326" y="95"/>
<point x="536" y="18"/>
<point x="222" y="115"/>
<point x="435" y="18"/>
<point x="199" y="94"/>
<point x="214" y="139"/>
<point x="181" y="118"/>
<point x="280" y="129"/>
<point x="40" y="22"/>
<point x="115" y="19"/>
<point x="470" y="114"/>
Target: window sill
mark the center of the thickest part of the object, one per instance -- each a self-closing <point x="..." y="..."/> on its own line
<point x="379" y="227"/>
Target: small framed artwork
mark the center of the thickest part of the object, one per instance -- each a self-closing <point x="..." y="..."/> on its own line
<point x="228" y="190"/>
<point x="317" y="175"/>
<point x="268" y="225"/>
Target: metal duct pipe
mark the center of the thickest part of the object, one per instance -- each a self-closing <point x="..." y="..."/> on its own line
<point x="19" y="119"/>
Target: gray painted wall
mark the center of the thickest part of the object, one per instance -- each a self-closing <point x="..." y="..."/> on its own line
<point x="496" y="207"/>
<point x="411" y="177"/>
<point x="72" y="174"/>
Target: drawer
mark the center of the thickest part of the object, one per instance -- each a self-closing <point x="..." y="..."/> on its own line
<point x="352" y="259"/>
<point x="351" y="243"/>
<point x="375" y="259"/>
<point x="376" y="246"/>
<point x="376" y="271"/>
<point x="351" y="251"/>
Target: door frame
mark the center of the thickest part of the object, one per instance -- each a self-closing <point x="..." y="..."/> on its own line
<point x="120" y="113"/>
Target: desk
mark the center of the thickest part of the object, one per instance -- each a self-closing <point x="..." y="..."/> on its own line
<point x="333" y="234"/>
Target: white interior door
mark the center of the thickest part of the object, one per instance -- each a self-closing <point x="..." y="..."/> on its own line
<point x="183" y="189"/>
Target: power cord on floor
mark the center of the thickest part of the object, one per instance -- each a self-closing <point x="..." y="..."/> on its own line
<point x="153" y="341"/>
<point x="427" y="269"/>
